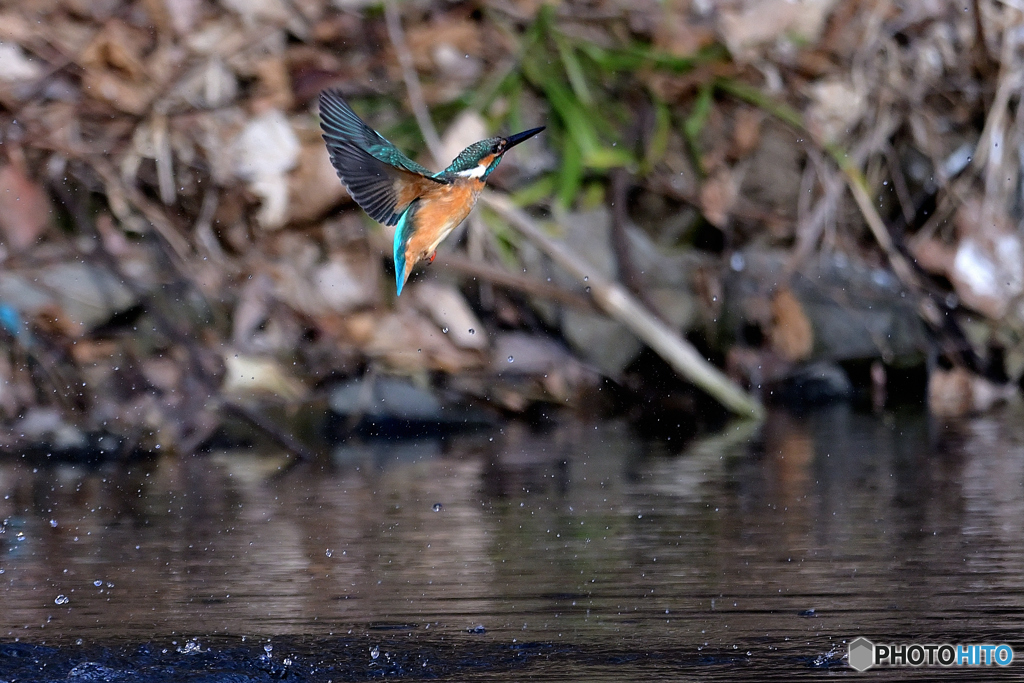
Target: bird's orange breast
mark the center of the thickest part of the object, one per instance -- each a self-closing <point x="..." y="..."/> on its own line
<point x="440" y="210"/>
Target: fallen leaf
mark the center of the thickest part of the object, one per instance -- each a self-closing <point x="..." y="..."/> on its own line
<point x="791" y="334"/>
<point x="449" y="310"/>
<point x="25" y="209"/>
<point x="264" y="152"/>
<point x="717" y="197"/>
<point x="16" y="66"/>
<point x="313" y="187"/>
<point x="246" y="375"/>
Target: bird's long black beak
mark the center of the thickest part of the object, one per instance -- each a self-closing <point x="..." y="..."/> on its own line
<point x="513" y="140"/>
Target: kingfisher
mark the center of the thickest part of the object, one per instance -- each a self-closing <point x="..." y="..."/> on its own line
<point x="394" y="190"/>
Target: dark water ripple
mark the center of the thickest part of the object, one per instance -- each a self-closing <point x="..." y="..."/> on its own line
<point x="579" y="553"/>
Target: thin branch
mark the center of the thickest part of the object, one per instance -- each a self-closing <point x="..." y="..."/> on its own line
<point x="527" y="285"/>
<point x="412" y="81"/>
<point x="619" y="304"/>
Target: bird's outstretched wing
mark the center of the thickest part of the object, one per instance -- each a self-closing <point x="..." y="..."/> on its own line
<point x="381" y="179"/>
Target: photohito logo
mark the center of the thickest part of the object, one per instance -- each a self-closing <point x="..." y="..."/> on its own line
<point x="864" y="654"/>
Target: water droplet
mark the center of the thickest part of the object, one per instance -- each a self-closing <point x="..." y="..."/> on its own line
<point x="268" y="648"/>
<point x="445" y="330"/>
<point x="62" y="599"/>
<point x="374" y="652"/>
<point x="190" y="647"/>
<point x="329" y="552"/>
<point x="472" y="331"/>
<point x="438" y="507"/>
<point x="97" y="583"/>
<point x="586" y="278"/>
<point x="510" y="359"/>
<point x="53" y="523"/>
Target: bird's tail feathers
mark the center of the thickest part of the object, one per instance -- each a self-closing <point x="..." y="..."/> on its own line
<point x="403" y="230"/>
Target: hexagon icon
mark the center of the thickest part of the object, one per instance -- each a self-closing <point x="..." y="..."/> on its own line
<point x="862" y="654"/>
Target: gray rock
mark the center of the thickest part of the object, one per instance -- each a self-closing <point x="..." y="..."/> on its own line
<point x="856" y="311"/>
<point x="814" y="383"/>
<point x="528" y="354"/>
<point x="608" y="345"/>
<point x="85" y="294"/>
<point x="385" y="398"/>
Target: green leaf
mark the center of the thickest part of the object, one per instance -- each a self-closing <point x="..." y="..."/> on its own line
<point x="757" y="98"/>
<point x="538" y="190"/>
<point x="574" y="71"/>
<point x="605" y="158"/>
<point x="696" y="121"/>
<point x="570" y="175"/>
<point x="658" y="144"/>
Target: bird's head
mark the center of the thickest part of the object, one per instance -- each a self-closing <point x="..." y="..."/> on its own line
<point x="481" y="158"/>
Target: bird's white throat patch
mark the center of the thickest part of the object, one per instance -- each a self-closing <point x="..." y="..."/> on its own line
<point x="475" y="172"/>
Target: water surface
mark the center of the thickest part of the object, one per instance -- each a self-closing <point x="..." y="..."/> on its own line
<point x="582" y="552"/>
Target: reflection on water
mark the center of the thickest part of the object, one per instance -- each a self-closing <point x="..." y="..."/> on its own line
<point x="753" y="551"/>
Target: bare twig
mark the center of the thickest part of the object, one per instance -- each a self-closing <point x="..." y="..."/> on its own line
<point x="493" y="275"/>
<point x="489" y="274"/>
<point x="412" y="81"/>
<point x="163" y="225"/>
<point x="900" y="265"/>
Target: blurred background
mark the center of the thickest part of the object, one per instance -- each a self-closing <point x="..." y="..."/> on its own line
<point x="822" y="196"/>
<point x="788" y="203"/>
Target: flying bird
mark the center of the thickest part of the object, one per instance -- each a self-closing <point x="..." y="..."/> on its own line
<point x="394" y="190"/>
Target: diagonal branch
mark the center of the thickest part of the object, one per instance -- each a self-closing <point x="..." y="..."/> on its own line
<point x="412" y="81"/>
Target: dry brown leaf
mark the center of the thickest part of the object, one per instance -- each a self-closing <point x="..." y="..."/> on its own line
<point x="934" y="256"/>
<point x="717" y="197"/>
<point x="25" y="209"/>
<point x="988" y="269"/>
<point x="748" y="24"/>
<point x="677" y="35"/>
<point x="275" y="87"/>
<point x="410" y="343"/>
<point x="313" y="187"/>
<point x="461" y="34"/>
<point x="746" y="132"/>
<point x="791" y="334"/>
<point x="118" y="47"/>
<point x="958" y="392"/>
